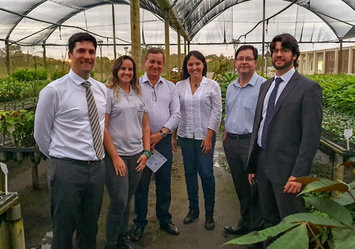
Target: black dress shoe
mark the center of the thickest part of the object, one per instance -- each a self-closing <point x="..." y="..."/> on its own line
<point x="238" y="230"/>
<point x="136" y="233"/>
<point x="170" y="228"/>
<point x="209" y="222"/>
<point x="124" y="243"/>
<point x="191" y="216"/>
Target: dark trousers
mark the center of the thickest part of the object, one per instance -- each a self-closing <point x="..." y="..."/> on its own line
<point x="162" y="184"/>
<point x="76" y="189"/>
<point x="236" y="151"/>
<point x="275" y="204"/>
<point x="120" y="189"/>
<point x="195" y="161"/>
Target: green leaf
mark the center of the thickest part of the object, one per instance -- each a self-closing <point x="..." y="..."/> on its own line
<point x="11" y="129"/>
<point x="345" y="198"/>
<point x="313" y="219"/>
<point x="305" y="180"/>
<point x="348" y="242"/>
<point x="258" y="236"/>
<point x="295" y="239"/>
<point x="332" y="208"/>
<point x="325" y="185"/>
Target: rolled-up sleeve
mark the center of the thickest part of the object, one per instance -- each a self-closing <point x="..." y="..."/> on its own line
<point x="44" y="118"/>
<point x="216" y="109"/>
<point x="174" y="108"/>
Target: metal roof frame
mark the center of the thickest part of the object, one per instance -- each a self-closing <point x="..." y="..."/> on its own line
<point x="186" y="16"/>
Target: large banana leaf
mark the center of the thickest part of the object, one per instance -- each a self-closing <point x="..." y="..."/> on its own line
<point x="325" y="185"/>
<point x="261" y="235"/>
<point x="295" y="239"/>
<point x="332" y="208"/>
<point x="346" y="242"/>
<point x="313" y="219"/>
<point x="305" y="180"/>
<point x="345" y="198"/>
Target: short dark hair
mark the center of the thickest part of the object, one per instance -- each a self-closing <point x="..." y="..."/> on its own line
<point x="154" y="50"/>
<point x="246" y="47"/>
<point x="287" y="41"/>
<point x="199" y="56"/>
<point x="79" y="37"/>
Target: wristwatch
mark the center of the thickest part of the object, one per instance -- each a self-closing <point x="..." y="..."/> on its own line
<point x="163" y="134"/>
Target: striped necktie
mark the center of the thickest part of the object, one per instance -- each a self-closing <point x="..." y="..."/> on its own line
<point x="94" y="121"/>
<point x="269" y="113"/>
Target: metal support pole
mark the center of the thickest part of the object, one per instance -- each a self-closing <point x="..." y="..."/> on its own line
<point x="100" y="42"/>
<point x="179" y="55"/>
<point x="167" y="46"/>
<point x="7" y="47"/>
<point x="114" y="31"/>
<point x="44" y="56"/>
<point x="263" y="42"/>
<point x="135" y="33"/>
<point x="188" y="46"/>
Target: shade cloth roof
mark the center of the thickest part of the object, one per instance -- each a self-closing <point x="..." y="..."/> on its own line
<point x="34" y="22"/>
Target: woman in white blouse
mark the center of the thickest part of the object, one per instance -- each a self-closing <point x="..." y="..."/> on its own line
<point x="201" y="112"/>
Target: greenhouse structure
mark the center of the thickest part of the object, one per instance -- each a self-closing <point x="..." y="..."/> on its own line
<point x="44" y="25"/>
<point x="34" y="52"/>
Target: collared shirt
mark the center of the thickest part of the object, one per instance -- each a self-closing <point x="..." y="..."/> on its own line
<point x="126" y="117"/>
<point x="62" y="124"/>
<point x="241" y="105"/>
<point x="199" y="111"/>
<point x="162" y="102"/>
<point x="286" y="78"/>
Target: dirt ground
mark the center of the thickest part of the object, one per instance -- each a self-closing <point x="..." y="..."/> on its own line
<point x="36" y="209"/>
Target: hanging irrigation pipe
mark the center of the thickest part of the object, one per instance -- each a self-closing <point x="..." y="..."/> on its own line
<point x="267" y="20"/>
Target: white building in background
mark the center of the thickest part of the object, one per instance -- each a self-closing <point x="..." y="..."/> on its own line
<point x="326" y="61"/>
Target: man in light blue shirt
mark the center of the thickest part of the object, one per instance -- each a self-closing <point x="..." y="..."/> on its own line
<point x="69" y="129"/>
<point x="241" y="99"/>
<point x="162" y="102"/>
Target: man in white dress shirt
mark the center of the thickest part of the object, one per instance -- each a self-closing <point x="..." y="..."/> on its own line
<point x="69" y="127"/>
<point x="162" y="102"/>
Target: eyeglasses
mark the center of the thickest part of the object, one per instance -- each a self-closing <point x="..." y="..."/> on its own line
<point x="247" y="59"/>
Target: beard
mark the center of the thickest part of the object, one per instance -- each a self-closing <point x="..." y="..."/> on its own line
<point x="287" y="64"/>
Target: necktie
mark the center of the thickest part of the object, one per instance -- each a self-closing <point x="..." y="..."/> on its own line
<point x="269" y="113"/>
<point x="94" y="121"/>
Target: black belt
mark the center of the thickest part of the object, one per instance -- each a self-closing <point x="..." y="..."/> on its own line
<point x="78" y="162"/>
<point x="237" y="136"/>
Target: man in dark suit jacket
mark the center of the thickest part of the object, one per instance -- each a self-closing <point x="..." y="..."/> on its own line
<point x="286" y="133"/>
